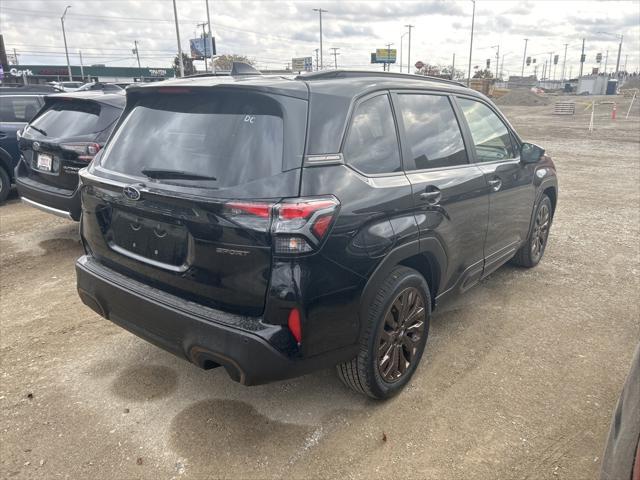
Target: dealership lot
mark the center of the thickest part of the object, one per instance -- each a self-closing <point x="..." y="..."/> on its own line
<point x="520" y="379"/>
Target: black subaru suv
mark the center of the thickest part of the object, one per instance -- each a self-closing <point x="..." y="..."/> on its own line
<point x="275" y="226"/>
<point x="61" y="139"/>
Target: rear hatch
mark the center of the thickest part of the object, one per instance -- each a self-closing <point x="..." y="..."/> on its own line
<point x="181" y="196"/>
<point x="64" y="137"/>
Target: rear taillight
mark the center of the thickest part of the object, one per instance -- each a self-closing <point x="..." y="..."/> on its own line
<point x="85" y="151"/>
<point x="298" y="225"/>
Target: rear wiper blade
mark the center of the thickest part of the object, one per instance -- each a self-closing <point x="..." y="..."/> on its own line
<point x="166" y="173"/>
<point x="39" y="130"/>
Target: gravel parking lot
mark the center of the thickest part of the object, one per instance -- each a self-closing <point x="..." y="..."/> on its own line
<point x="519" y="379"/>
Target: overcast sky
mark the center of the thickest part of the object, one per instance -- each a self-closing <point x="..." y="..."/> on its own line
<point x="272" y="32"/>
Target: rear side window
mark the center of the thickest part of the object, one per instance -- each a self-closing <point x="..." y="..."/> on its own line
<point x="72" y="118"/>
<point x="234" y="138"/>
<point x="432" y="131"/>
<point x="490" y="135"/>
<point x="372" y="143"/>
<point x="18" y="108"/>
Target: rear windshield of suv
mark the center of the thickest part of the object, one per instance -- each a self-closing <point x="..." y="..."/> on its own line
<point x="233" y="138"/>
<point x="72" y="118"/>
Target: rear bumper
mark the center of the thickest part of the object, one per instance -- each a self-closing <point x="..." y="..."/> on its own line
<point x="56" y="201"/>
<point x="201" y="335"/>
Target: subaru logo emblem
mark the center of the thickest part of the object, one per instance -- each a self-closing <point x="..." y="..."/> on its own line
<point x="131" y="193"/>
<point x="36" y="146"/>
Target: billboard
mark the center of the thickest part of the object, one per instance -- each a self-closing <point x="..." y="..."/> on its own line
<point x="302" y="64"/>
<point x="385" y="55"/>
<point x="201" y="48"/>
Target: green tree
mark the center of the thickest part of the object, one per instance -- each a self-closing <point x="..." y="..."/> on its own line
<point x="187" y="62"/>
<point x="225" y="62"/>
<point x="486" y="73"/>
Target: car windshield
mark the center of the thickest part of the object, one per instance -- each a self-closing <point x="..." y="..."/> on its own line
<point x="20" y="108"/>
<point x="65" y="118"/>
<point x="231" y="138"/>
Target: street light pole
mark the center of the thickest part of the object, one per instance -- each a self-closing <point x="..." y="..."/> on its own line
<point x="564" y="61"/>
<point x="320" y="11"/>
<point x="524" y="56"/>
<point x="473" y="18"/>
<point x="409" y="50"/>
<point x="64" y="36"/>
<point x="175" y="16"/>
<point x="401" y="39"/>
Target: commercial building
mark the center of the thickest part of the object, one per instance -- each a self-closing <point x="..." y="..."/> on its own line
<point x="39" y="74"/>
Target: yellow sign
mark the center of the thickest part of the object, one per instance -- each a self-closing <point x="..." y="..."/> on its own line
<point x="386" y="55"/>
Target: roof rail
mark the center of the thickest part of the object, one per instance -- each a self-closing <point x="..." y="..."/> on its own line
<point x="372" y="73"/>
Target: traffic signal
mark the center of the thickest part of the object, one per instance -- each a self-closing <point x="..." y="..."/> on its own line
<point x="488" y="63"/>
<point x="528" y="61"/>
<point x="555" y="59"/>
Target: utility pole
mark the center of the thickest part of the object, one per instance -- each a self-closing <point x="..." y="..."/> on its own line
<point x="619" y="52"/>
<point x="606" y="58"/>
<point x="175" y="16"/>
<point x="317" y="64"/>
<point x="135" y="50"/>
<point x="389" y="57"/>
<point x="564" y="61"/>
<point x="64" y="36"/>
<point x="204" y="38"/>
<point x="335" y="56"/>
<point x="626" y="57"/>
<point x="82" y="65"/>
<point x="473" y="17"/>
<point x="15" y="55"/>
<point x="409" y="49"/>
<point x="320" y="11"/>
<point x="524" y="56"/>
<point x="581" y="59"/>
<point x="497" y="58"/>
<point x="213" y="68"/>
<point x="502" y="66"/>
<point x="453" y="66"/>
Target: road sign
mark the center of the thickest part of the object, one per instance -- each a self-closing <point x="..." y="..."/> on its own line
<point x="201" y="48"/>
<point x="302" y="64"/>
<point x="386" y="55"/>
<point x="419" y="65"/>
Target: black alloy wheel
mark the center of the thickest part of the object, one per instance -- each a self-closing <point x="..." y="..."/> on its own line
<point x="400" y="334"/>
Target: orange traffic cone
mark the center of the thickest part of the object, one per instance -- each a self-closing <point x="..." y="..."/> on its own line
<point x="613" y="112"/>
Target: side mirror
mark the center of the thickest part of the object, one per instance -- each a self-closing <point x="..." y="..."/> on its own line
<point x="530" y="153"/>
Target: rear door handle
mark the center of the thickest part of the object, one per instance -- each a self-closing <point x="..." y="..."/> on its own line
<point x="432" y="195"/>
<point x="495" y="184"/>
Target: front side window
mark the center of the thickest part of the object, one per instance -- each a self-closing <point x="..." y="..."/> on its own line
<point x="490" y="135"/>
<point x="372" y="143"/>
<point x="432" y="131"/>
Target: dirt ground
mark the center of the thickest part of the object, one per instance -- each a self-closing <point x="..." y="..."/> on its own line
<point x="519" y="379"/>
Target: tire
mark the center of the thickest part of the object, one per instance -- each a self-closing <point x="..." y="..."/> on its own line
<point x="380" y="376"/>
<point x="5" y="184"/>
<point x="532" y="251"/>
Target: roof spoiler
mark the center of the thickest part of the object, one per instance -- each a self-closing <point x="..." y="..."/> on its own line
<point x="241" y="68"/>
